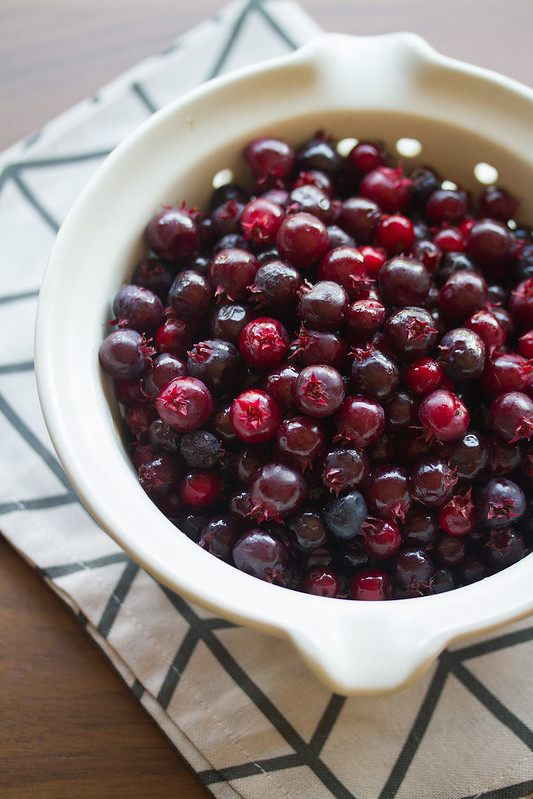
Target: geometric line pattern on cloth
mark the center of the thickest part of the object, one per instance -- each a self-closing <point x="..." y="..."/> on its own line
<point x="305" y="754"/>
<point x="449" y="663"/>
<point x="252" y="5"/>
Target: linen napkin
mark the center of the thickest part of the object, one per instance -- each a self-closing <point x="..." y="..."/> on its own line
<point x="240" y="707"/>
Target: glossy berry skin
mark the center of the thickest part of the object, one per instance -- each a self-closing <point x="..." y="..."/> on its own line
<point x="458" y="515"/>
<point x="388" y="492"/>
<point x="462" y="354"/>
<point x="412" y="570"/>
<point x="410" y="332"/>
<point x="387" y="187"/>
<point x="160" y="476"/>
<point x="371" y="585"/>
<point x="138" y="308"/>
<point x="321" y="582"/>
<point x="344" y="515"/>
<point x="403" y="281"/>
<point x="216" y="363"/>
<point x="302" y="240"/>
<point x="344" y="265"/>
<point x="360" y="420"/>
<point x="382" y="537"/>
<point x="463" y="294"/>
<point x="374" y="374"/>
<point x="269" y="156"/>
<point x="300" y="439"/>
<point x="190" y="295"/>
<point x="323" y="306"/>
<point x="122" y="354"/>
<point x="260" y="221"/>
<point x="423" y="375"/>
<point x="500" y="503"/>
<point x="318" y="390"/>
<point x="255" y="416"/>
<point x="343" y="468"/>
<point x="200" y="488"/>
<point x="172" y="234"/>
<point x="432" y="481"/>
<point x="185" y="404"/>
<point x="232" y="270"/>
<point x="260" y="554"/>
<point x="276" y="285"/>
<point x="443" y="415"/>
<point x="218" y="536"/>
<point x="263" y="342"/>
<point x="307" y="529"/>
<point x="511" y="416"/>
<point x="277" y="491"/>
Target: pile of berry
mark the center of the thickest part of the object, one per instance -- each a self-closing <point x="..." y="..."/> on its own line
<point x="328" y="379"/>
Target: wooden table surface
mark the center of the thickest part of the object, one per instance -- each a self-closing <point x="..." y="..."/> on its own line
<point x="68" y="725"/>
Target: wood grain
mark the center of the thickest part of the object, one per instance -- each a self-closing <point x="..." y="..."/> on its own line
<point x="68" y="725"/>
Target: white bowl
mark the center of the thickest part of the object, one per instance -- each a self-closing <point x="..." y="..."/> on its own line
<point x="384" y="87"/>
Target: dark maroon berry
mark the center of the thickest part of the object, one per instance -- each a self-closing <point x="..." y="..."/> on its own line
<point x="160" y="476"/>
<point x="387" y="187"/>
<point x="318" y="390"/>
<point x="500" y="503"/>
<point x="138" y="308"/>
<point x="374" y="374"/>
<point x="228" y="321"/>
<point x="343" y="468"/>
<point x="504" y="547"/>
<point x="276" y="285"/>
<point x="268" y="156"/>
<point x="172" y="233"/>
<point x="318" y="347"/>
<point x="307" y="529"/>
<point x="403" y="281"/>
<point x="232" y="271"/>
<point x="462" y="295"/>
<point x="462" y="354"/>
<point x="185" y="404"/>
<point x="360" y="218"/>
<point x="190" y="295"/>
<point x="322" y="307"/>
<point x="432" y="481"/>
<point x="511" y="416"/>
<point x="123" y="354"/>
<point x="218" y="536"/>
<point x="162" y="369"/>
<point x="277" y="491"/>
<point x="388" y="492"/>
<point x="446" y="205"/>
<point x="201" y="449"/>
<point x="300" y="439"/>
<point x="360" y="421"/>
<point x="261" y="554"/>
<point x="412" y="570"/>
<point x="410" y="332"/>
<point x="302" y="240"/>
